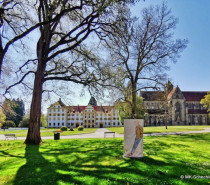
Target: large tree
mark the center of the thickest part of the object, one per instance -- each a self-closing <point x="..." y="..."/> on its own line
<point x="206" y="102"/>
<point x="62" y="48"/>
<point x="143" y="50"/>
<point x="14" y="110"/>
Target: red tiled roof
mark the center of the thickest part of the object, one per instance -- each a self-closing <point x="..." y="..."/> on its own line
<point x="197" y="111"/>
<point x="193" y="95"/>
<point x="103" y="108"/>
<point x="96" y="108"/>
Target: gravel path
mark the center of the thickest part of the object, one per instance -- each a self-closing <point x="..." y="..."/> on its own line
<point x="100" y="134"/>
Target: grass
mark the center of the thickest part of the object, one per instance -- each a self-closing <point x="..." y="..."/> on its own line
<point x="147" y="130"/>
<point x="100" y="162"/>
<point x="49" y="132"/>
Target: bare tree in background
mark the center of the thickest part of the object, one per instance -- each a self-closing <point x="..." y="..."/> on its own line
<point x="144" y="49"/>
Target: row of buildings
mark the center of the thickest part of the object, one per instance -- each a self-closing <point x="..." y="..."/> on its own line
<point x="171" y="106"/>
<point x="89" y="116"/>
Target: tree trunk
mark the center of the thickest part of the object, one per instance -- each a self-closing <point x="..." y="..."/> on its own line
<point x="33" y="136"/>
<point x="133" y="108"/>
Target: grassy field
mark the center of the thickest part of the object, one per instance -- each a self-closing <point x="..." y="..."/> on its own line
<point x="49" y="132"/>
<point x="147" y="130"/>
<point x="100" y="162"/>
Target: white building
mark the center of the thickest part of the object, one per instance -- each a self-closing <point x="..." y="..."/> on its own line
<point x="89" y="116"/>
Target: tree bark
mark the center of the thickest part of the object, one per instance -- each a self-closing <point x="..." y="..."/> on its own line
<point x="133" y="108"/>
<point x="33" y="136"/>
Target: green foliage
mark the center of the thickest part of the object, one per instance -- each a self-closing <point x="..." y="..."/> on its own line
<point x="124" y="109"/>
<point x="43" y="121"/>
<point x="206" y="102"/>
<point x="71" y="129"/>
<point x="8" y="123"/>
<point x="24" y="122"/>
<point x="14" y="110"/>
<point x="80" y="128"/>
<point x="2" y="118"/>
<point x="64" y="128"/>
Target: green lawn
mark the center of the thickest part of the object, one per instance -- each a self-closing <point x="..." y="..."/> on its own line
<point x="49" y="132"/>
<point x="147" y="130"/>
<point x="100" y="161"/>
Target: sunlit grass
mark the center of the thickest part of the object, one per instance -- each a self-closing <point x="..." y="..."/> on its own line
<point x="49" y="132"/>
<point x="159" y="129"/>
<point x="100" y="161"/>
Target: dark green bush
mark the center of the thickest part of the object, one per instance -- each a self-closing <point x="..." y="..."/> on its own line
<point x="64" y="128"/>
<point x="80" y="128"/>
<point x="24" y="122"/>
<point x="8" y="123"/>
<point x="71" y="129"/>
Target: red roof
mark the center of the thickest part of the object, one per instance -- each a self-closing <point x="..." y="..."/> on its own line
<point x="96" y="108"/>
<point x="197" y="111"/>
<point x="193" y="95"/>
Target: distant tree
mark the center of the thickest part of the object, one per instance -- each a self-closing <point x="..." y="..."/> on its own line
<point x="2" y="118"/>
<point x="125" y="109"/>
<point x="206" y="102"/>
<point x="9" y="123"/>
<point x="143" y="49"/>
<point x="14" y="110"/>
<point x="24" y="122"/>
<point x="43" y="121"/>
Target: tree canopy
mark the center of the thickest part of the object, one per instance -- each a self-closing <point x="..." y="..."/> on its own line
<point x="206" y="102"/>
<point x="143" y="50"/>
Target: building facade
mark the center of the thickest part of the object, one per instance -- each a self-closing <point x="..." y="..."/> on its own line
<point x="174" y="107"/>
<point x="90" y="116"/>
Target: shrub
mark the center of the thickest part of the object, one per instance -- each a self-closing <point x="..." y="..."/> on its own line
<point x="8" y="123"/>
<point x="64" y="128"/>
<point x="80" y="128"/>
<point x="24" y="122"/>
<point x="71" y="129"/>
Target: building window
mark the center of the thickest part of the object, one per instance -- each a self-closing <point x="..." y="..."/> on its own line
<point x="63" y="124"/>
<point x="49" y="124"/>
<point x="58" y="110"/>
<point x="53" y="124"/>
<point x="54" y="119"/>
<point x="50" y="119"/>
<point x="92" y="121"/>
<point x="62" y="118"/>
<point x="113" y="123"/>
<point x="58" y="118"/>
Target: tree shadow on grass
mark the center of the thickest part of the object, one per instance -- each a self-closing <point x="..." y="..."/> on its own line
<point x="97" y="162"/>
<point x="37" y="169"/>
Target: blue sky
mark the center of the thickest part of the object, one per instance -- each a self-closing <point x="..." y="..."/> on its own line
<point x="192" y="71"/>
